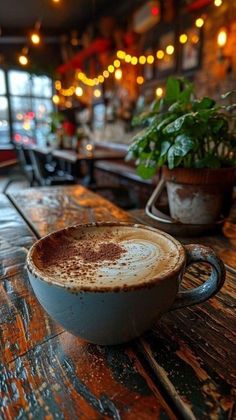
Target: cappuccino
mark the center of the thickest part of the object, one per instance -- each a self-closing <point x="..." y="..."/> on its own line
<point x="106" y="257"/>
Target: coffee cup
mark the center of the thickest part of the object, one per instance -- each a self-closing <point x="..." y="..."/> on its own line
<point x="110" y="282"/>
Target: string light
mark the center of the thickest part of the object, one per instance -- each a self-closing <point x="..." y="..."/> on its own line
<point x="35" y="38"/>
<point x="222" y="38"/>
<point x="116" y="63"/>
<point x="199" y="22"/>
<point x="97" y="93"/>
<point x="140" y="80"/>
<point x="58" y="84"/>
<point x="218" y="3"/>
<point x="106" y="74"/>
<point x="111" y="68"/>
<point x="159" y="92"/>
<point x="134" y="61"/>
<point x="100" y="78"/>
<point x="142" y="59"/>
<point x="160" y="54"/>
<point x="150" y="59"/>
<point x="195" y="39"/>
<point x="56" y="99"/>
<point x="118" y="74"/>
<point x="183" y="38"/>
<point x="170" y="49"/>
<point x="121" y="54"/>
<point x="128" y="58"/>
<point x="79" y="91"/>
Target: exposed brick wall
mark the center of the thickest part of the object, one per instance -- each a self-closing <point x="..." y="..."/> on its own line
<point x="213" y="79"/>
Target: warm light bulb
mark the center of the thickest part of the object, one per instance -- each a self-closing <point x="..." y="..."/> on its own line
<point x="140" y="80"/>
<point x="128" y="58"/>
<point x="56" y="1"/>
<point x="121" y="54"/>
<point x="170" y="49"/>
<point x="195" y="39"/>
<point x="142" y="59"/>
<point x="118" y="74"/>
<point x="222" y="38"/>
<point x="111" y="68"/>
<point x="106" y="74"/>
<point x="97" y="93"/>
<point x="79" y="91"/>
<point x="159" y="92"/>
<point x="160" y="54"/>
<point x="218" y="3"/>
<point x="55" y="99"/>
<point x="150" y="59"/>
<point x="58" y="84"/>
<point x="116" y="63"/>
<point x="134" y="61"/>
<point x="183" y="38"/>
<point x="100" y="78"/>
<point x="199" y="22"/>
<point x="23" y="60"/>
<point x="35" y="38"/>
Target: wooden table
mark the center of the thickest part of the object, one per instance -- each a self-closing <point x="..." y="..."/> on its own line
<point x="183" y="369"/>
<point x="75" y="159"/>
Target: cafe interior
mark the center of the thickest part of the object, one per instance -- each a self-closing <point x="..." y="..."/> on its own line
<point x="119" y="111"/>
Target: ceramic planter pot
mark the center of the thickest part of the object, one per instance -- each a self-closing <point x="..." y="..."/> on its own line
<point x="199" y="196"/>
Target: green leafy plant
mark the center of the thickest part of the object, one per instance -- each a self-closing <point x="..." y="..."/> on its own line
<point x="183" y="131"/>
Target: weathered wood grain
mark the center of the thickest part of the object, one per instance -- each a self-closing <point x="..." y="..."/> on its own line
<point x="46" y="372"/>
<point x="49" y="209"/>
<point x="191" y="351"/>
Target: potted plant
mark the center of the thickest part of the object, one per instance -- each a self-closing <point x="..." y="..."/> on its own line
<point x="194" y="142"/>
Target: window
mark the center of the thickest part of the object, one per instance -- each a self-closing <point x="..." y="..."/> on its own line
<point x="4" y="111"/>
<point x="28" y="98"/>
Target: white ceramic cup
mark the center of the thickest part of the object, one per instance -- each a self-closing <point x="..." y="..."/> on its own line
<point x="113" y="317"/>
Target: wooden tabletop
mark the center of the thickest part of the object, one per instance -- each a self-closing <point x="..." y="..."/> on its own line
<point x="73" y="157"/>
<point x="183" y="369"/>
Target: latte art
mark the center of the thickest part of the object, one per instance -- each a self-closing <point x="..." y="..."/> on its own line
<point x="106" y="257"/>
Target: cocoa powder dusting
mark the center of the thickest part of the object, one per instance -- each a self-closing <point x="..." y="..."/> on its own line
<point x="107" y="251"/>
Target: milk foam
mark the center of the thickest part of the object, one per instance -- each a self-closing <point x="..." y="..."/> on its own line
<point x="145" y="255"/>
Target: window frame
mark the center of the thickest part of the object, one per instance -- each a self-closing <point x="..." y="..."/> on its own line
<point x="8" y="95"/>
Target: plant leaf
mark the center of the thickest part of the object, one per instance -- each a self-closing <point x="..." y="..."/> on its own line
<point x="172" y="89"/>
<point x="204" y="103"/>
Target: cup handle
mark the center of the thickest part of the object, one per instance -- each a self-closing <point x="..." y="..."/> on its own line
<point x="200" y="253"/>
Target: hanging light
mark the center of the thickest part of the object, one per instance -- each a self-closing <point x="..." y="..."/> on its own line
<point x="218" y="3"/>
<point x="79" y="91"/>
<point x="222" y="38"/>
<point x="23" y="60"/>
<point x="118" y="74"/>
<point x="56" y="99"/>
<point x="106" y="74"/>
<point x="58" y="84"/>
<point x="140" y="80"/>
<point x="159" y="92"/>
<point x="199" y="22"/>
<point x="35" y="38"/>
<point x="97" y="93"/>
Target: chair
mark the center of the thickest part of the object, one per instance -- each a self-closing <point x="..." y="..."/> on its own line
<point x="25" y="163"/>
<point x="43" y="176"/>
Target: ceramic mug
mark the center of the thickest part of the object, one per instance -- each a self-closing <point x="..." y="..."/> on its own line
<point x="113" y="317"/>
